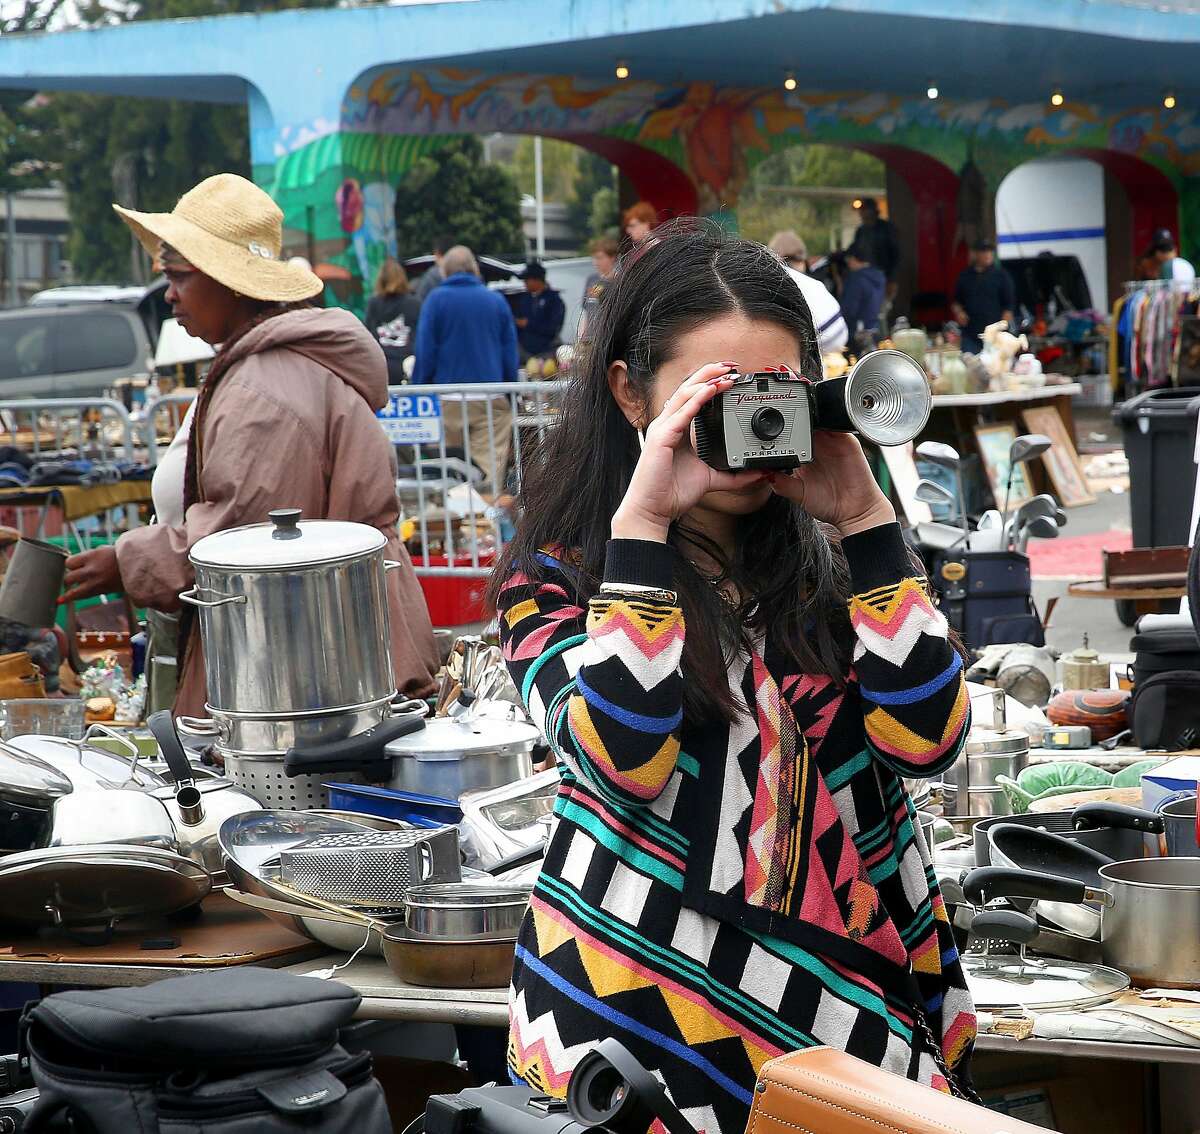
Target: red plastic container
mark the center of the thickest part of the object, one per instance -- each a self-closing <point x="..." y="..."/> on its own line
<point x="454" y="600"/>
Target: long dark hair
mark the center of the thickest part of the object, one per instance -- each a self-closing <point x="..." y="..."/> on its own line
<point x="793" y="578"/>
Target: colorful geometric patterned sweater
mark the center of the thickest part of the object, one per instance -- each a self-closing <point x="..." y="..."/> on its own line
<point x="717" y="895"/>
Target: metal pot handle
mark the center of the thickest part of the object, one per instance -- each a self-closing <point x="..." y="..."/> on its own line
<point x="391" y="565"/>
<point x="198" y="726"/>
<point x="401" y="706"/>
<point x="190" y="597"/>
<point x="101" y="729"/>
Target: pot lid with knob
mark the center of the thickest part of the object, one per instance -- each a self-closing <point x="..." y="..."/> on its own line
<point x="444" y="738"/>
<point x="1006" y="982"/>
<point x="286" y="542"/>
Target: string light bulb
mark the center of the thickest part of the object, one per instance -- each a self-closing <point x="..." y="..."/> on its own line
<point x="1169" y="100"/>
<point x="622" y="70"/>
<point x="1056" y="97"/>
<point x="932" y="92"/>
<point x="789" y="81"/>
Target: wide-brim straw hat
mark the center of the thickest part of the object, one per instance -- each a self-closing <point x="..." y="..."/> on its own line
<point x="229" y="229"/>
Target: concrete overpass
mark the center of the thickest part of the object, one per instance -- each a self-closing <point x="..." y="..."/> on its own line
<point x="342" y="101"/>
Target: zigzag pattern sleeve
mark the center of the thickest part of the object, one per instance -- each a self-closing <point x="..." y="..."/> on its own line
<point x="603" y="684"/>
<point x="910" y="677"/>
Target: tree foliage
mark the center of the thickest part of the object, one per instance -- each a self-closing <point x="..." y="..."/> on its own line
<point x="593" y="210"/>
<point x="770" y="201"/>
<point x="142" y="153"/>
<point x="571" y="176"/>
<point x="560" y="168"/>
<point x="453" y="192"/>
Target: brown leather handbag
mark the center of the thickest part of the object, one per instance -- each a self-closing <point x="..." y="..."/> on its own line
<point x="823" y="1091"/>
<point x="19" y="677"/>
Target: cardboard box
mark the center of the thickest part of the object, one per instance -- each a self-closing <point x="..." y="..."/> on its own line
<point x="1181" y="774"/>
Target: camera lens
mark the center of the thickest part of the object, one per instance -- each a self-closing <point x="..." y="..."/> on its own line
<point x="767" y="423"/>
<point x="607" y="1091"/>
<point x="600" y="1096"/>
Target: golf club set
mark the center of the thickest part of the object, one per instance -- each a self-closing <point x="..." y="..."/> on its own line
<point x="982" y="574"/>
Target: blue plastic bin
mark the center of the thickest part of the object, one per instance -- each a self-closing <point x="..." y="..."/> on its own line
<point x="419" y="810"/>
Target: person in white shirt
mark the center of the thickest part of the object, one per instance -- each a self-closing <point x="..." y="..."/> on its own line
<point x="832" y="333"/>
<point x="1172" y="266"/>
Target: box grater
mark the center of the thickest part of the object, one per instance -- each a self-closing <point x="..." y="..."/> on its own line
<point x="371" y="869"/>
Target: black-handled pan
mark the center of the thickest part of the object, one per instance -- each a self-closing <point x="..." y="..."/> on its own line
<point x="1026" y="848"/>
<point x="1114" y="829"/>
<point x="987" y="883"/>
<point x="362" y="752"/>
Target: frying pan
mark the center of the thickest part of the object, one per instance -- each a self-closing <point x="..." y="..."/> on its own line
<point x="1019" y="847"/>
<point x="1116" y="830"/>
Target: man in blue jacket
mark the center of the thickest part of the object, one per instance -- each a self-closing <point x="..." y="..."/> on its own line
<point x="862" y="292"/>
<point x="466" y="334"/>
<point x="540" y="314"/>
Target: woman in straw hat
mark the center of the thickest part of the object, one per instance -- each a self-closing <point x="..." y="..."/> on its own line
<point x="285" y="418"/>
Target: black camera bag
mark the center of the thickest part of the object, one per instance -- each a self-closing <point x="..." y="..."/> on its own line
<point x="992" y="602"/>
<point x="1163" y="643"/>
<point x="1164" y="711"/>
<point x="241" y="1051"/>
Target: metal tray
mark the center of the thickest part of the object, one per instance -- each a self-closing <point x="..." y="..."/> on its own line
<point x="342" y="934"/>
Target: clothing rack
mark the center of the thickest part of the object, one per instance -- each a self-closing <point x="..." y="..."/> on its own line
<point x="1154" y="324"/>
<point x="1157" y="285"/>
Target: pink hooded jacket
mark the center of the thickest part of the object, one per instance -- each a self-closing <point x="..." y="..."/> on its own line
<point x="291" y="425"/>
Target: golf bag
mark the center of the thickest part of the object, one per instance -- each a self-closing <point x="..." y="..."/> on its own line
<point x="987" y="597"/>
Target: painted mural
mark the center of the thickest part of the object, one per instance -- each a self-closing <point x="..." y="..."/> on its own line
<point x="338" y="198"/>
<point x="335" y="179"/>
<point x="716" y="134"/>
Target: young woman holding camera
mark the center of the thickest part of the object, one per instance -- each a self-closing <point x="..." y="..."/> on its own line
<point x="736" y="670"/>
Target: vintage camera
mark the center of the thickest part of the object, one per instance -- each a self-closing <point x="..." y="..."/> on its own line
<point x="17" y="1094"/>
<point x="766" y="420"/>
<point x="609" y="1091"/>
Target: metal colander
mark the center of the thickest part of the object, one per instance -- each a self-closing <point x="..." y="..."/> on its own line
<point x="265" y="779"/>
<point x="371" y="869"/>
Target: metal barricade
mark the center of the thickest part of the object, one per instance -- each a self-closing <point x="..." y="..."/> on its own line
<point x="47" y="430"/>
<point x="160" y="418"/>
<point x="98" y="429"/>
<point x="458" y="444"/>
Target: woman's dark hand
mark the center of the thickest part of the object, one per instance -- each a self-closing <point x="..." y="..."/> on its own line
<point x="90" y="573"/>
<point x="837" y="487"/>
<point x="669" y="478"/>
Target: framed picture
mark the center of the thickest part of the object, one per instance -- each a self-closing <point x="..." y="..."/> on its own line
<point x="994" y="443"/>
<point x="902" y="468"/>
<point x="1061" y="460"/>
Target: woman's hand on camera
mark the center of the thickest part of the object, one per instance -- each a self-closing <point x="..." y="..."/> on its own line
<point x="669" y="478"/>
<point x="837" y="487"/>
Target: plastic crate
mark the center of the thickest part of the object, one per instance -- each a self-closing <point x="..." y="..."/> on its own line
<point x="454" y="600"/>
<point x="409" y="807"/>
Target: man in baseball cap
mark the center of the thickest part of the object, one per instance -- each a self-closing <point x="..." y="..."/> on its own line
<point x="540" y="313"/>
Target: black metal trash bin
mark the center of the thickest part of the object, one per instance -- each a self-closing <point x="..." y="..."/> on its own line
<point x="1159" y="429"/>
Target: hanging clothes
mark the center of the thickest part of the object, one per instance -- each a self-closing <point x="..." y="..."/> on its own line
<point x="1146" y="335"/>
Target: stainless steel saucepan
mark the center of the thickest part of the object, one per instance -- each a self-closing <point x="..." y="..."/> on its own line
<point x="1149" y="913"/>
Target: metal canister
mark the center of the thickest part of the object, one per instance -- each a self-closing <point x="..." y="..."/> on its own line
<point x="1083" y="669"/>
<point x="969" y="788"/>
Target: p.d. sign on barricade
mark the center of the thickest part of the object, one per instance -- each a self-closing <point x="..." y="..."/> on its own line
<point x="412" y="419"/>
